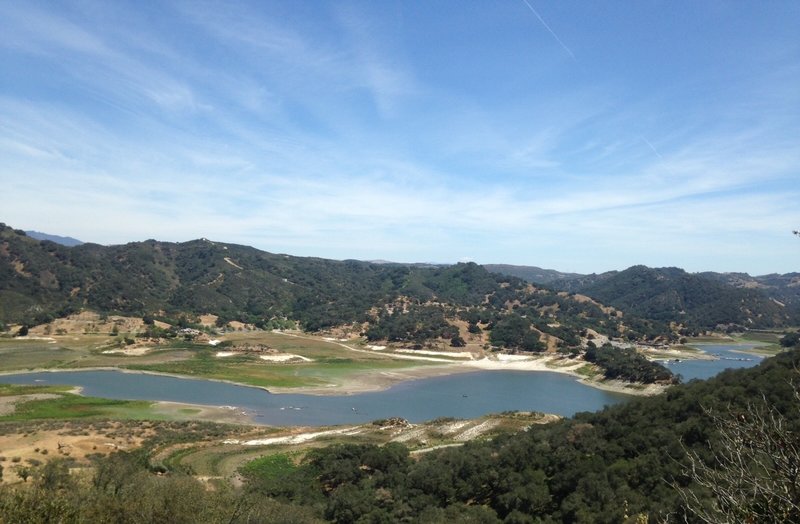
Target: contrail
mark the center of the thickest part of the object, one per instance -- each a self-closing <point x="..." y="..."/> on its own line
<point x="652" y="147"/>
<point x="562" y="44"/>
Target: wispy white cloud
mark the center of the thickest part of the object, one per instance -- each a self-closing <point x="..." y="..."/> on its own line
<point x="389" y="80"/>
<point x="94" y="61"/>
<point x="34" y="30"/>
<point x="334" y="144"/>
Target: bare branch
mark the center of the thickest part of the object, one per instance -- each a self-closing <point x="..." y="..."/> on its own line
<point x="754" y="475"/>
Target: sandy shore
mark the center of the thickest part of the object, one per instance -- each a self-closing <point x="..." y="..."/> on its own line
<point x="566" y="367"/>
<point x="381" y="380"/>
<point x="369" y="381"/>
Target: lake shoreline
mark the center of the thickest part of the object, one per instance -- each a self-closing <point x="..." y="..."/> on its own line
<point x="449" y="382"/>
<point x="374" y="381"/>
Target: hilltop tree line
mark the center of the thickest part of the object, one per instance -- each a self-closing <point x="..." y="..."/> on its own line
<point x="40" y="281"/>
<point x="697" y="302"/>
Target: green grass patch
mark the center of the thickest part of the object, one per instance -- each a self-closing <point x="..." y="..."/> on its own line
<point x="79" y="351"/>
<point x="250" y="370"/>
<point x="761" y="336"/>
<point x="16" y="355"/>
<point x="11" y="390"/>
<point x="688" y="349"/>
<point x="173" y="462"/>
<point x="138" y="410"/>
<point x="269" y="467"/>
<point x="710" y="340"/>
<point x="588" y="371"/>
<point x="239" y="371"/>
<point x="69" y="406"/>
<point x="766" y="351"/>
<point x="331" y="363"/>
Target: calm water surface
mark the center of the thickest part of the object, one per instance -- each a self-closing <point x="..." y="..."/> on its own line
<point x="464" y="395"/>
<point x="729" y="356"/>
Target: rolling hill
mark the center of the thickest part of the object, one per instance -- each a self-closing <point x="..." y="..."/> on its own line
<point x="783" y="288"/>
<point x="41" y="280"/>
<point x="697" y="301"/>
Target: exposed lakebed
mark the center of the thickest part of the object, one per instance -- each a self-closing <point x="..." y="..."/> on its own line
<point x="463" y="395"/>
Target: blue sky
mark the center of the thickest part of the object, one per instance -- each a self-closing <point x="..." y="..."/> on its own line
<point x="580" y="136"/>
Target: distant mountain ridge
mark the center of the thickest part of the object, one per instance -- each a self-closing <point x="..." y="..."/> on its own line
<point x="382" y="262"/>
<point x="533" y="274"/>
<point x="699" y="301"/>
<point x="64" y="241"/>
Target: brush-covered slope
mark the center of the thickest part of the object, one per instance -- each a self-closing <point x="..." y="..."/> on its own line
<point x="673" y="295"/>
<point x="44" y="278"/>
<point x="40" y="280"/>
<point x="783" y="288"/>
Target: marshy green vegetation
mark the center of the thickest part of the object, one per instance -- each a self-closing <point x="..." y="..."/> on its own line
<point x="328" y="364"/>
<point x="30" y="403"/>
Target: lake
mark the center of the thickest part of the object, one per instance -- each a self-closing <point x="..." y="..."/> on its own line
<point x="729" y="357"/>
<point x="463" y="395"/>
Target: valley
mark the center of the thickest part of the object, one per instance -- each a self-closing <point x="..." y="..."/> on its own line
<point x="216" y="369"/>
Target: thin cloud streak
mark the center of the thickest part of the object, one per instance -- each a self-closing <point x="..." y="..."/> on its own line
<point x="652" y="147"/>
<point x="562" y="44"/>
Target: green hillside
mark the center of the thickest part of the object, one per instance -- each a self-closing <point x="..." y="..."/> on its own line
<point x="43" y="280"/>
<point x="783" y="288"/>
<point x="673" y="295"/>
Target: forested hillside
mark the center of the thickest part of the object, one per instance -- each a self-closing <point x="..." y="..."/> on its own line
<point x="697" y="302"/>
<point x="43" y="280"/>
<point x="783" y="288"/>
